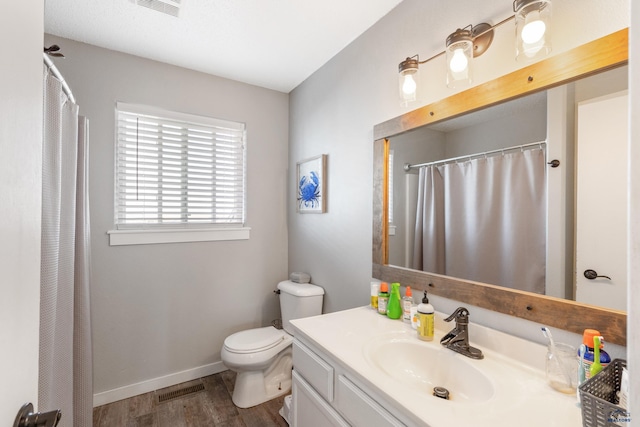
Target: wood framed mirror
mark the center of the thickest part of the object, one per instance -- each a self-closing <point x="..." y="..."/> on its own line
<point x="597" y="56"/>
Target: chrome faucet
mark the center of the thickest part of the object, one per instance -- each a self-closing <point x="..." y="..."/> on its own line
<point x="458" y="338"/>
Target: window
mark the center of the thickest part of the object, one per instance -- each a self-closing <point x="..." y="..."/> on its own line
<point x="178" y="171"/>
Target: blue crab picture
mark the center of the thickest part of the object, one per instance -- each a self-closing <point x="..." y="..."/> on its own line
<point x="309" y="190"/>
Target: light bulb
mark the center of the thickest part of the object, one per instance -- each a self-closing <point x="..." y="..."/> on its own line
<point x="533" y="28"/>
<point x="459" y="61"/>
<point x="533" y="31"/>
<point x="409" y="86"/>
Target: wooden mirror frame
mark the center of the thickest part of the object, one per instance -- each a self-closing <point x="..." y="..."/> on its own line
<point x="591" y="58"/>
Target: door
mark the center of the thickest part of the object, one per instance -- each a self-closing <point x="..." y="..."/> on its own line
<point x="601" y="199"/>
<point x="20" y="204"/>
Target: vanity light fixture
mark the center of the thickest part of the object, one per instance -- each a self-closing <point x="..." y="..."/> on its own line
<point x="459" y="58"/>
<point x="533" y="24"/>
<point x="408" y="78"/>
<point x="462" y="46"/>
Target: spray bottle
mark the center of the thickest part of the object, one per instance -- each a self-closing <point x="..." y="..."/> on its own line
<point x="394" y="310"/>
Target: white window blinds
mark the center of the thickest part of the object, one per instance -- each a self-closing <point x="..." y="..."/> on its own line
<point x="177" y="170"/>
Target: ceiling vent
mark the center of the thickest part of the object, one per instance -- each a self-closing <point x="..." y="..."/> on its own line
<point x="170" y="7"/>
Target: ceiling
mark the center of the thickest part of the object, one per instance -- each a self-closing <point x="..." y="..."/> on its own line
<point x="274" y="44"/>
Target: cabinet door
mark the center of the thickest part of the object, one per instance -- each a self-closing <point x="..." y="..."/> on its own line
<point x="359" y="408"/>
<point x="310" y="409"/>
<point x="315" y="371"/>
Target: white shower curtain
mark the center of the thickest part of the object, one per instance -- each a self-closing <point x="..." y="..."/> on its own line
<point x="65" y="376"/>
<point x="429" y="242"/>
<point x="484" y="220"/>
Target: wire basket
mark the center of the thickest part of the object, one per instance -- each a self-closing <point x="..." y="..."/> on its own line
<point x="599" y="399"/>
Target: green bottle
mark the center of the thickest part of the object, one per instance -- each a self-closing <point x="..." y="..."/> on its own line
<point x="394" y="309"/>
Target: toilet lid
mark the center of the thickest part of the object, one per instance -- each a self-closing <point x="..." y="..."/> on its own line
<point x="254" y="340"/>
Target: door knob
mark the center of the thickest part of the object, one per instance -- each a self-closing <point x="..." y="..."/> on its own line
<point x="26" y="417"/>
<point x="592" y="274"/>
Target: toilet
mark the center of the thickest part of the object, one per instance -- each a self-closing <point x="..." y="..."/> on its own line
<point x="262" y="357"/>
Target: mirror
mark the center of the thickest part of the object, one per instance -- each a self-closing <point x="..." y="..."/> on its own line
<point x="465" y="144"/>
<point x="603" y="54"/>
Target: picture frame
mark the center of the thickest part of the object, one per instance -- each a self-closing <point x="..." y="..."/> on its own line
<point x="311" y="185"/>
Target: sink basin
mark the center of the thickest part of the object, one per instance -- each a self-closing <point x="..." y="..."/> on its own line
<point x="421" y="366"/>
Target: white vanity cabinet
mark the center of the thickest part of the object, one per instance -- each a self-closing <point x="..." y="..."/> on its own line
<point x="357" y="368"/>
<point x="327" y="394"/>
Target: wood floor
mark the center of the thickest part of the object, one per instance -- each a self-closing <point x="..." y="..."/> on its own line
<point x="211" y="407"/>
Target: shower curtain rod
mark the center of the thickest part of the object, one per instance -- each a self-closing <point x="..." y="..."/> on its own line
<point x="408" y="167"/>
<point x="56" y="72"/>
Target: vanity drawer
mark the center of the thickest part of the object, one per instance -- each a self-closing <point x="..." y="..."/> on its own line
<point x="359" y="408"/>
<point x="315" y="371"/>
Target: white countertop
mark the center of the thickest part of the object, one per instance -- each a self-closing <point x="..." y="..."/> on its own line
<point x="515" y="367"/>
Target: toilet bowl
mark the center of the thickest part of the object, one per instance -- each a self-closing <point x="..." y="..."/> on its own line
<point x="262" y="357"/>
<point x="262" y="360"/>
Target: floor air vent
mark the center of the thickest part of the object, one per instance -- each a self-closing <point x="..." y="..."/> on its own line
<point x="180" y="392"/>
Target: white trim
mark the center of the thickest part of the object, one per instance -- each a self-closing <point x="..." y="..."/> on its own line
<point x="153" y="384"/>
<point x="148" y="110"/>
<point x="155" y="236"/>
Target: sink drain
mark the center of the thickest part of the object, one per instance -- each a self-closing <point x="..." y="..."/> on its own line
<point x="441" y="392"/>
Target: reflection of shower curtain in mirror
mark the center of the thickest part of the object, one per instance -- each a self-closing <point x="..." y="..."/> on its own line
<point x="484" y="220"/>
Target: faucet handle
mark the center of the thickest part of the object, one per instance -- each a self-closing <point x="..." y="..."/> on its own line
<point x="461" y="314"/>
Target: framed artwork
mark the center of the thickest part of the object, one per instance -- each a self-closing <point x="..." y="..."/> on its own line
<point x="311" y="185"/>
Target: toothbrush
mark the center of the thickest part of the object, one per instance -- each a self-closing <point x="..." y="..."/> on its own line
<point x="596" y="366"/>
<point x="581" y="352"/>
<point x="547" y="334"/>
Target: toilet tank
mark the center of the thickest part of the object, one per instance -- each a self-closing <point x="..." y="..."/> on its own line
<point x="299" y="300"/>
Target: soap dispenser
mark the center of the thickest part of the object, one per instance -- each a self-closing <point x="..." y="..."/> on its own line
<point x="425" y="319"/>
<point x="394" y="310"/>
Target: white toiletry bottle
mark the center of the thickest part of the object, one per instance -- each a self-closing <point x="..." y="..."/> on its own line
<point x="407" y="303"/>
<point x="425" y="319"/>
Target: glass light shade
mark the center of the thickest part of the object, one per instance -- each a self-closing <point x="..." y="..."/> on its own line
<point x="408" y="81"/>
<point x="533" y="29"/>
<point x="459" y="58"/>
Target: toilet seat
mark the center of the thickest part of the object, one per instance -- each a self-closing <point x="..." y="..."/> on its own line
<point x="254" y="340"/>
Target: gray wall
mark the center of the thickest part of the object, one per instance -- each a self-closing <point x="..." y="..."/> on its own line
<point x="334" y="112"/>
<point x="166" y="308"/>
<point x="520" y="127"/>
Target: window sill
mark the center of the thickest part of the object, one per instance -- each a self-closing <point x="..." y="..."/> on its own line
<point x="156" y="236"/>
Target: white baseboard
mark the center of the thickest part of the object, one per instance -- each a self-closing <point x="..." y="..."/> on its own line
<point x="131" y="390"/>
